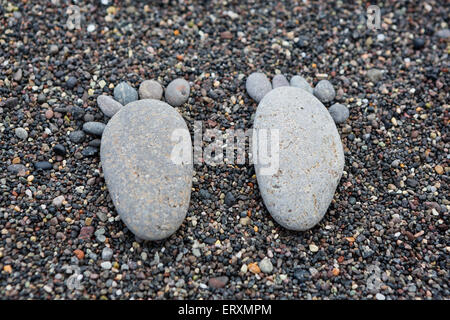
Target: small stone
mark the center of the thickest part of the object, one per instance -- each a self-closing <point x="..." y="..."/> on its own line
<point x="77" y="136"/>
<point x="11" y="102"/>
<point x="150" y="89"/>
<point x="17" y="76"/>
<point x="443" y="34"/>
<point x="177" y="92"/>
<point x="411" y="183"/>
<point x="339" y="112"/>
<point x="279" y="81"/>
<point x="218" y="282"/>
<point x="124" y="93"/>
<point x="324" y="91"/>
<point x="229" y="199"/>
<point x="44" y="165"/>
<point x="418" y="43"/>
<point x="94" y="128"/>
<point x="53" y="49"/>
<point x="107" y="253"/>
<point x="58" y="201"/>
<point x="106" y="265"/>
<point x="108" y="105"/>
<point x="77" y="112"/>
<point x="300" y="82"/>
<point x="86" y="233"/>
<point x="21" y="133"/>
<point x="254" y="268"/>
<point x="18" y="169"/>
<point x="313" y="248"/>
<point x="59" y="150"/>
<point x="375" y="75"/>
<point x="439" y="169"/>
<point x="71" y="82"/>
<point x="266" y="265"/>
<point x="380" y="296"/>
<point x="79" y="254"/>
<point x="257" y="86"/>
<point x="89" y="151"/>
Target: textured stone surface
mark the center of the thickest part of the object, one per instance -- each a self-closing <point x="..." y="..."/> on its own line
<point x="177" y="92"/>
<point x="150" y="192"/>
<point x="300" y="82"/>
<point x="150" y="89"/>
<point x="339" y="112"/>
<point x="124" y="93"/>
<point x="108" y="105"/>
<point x="257" y="85"/>
<point x="279" y="81"/>
<point x="94" y="128"/>
<point x="375" y="75"/>
<point x="324" y="91"/>
<point x="311" y="158"/>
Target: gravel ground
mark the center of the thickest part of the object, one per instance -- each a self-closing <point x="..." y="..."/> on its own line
<point x="385" y="235"/>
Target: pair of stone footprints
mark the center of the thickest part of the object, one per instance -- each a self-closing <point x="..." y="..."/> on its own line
<point x="151" y="192"/>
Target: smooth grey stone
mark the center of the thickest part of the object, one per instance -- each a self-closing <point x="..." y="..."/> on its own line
<point x="124" y="93"/>
<point x="89" y="151"/>
<point x="94" y="128"/>
<point x="77" y="136"/>
<point x="266" y="265"/>
<point x="298" y="191"/>
<point x="21" y="133"/>
<point x="279" y="81"/>
<point x="177" y="92"/>
<point x="107" y="253"/>
<point x="324" y="91"/>
<point x="257" y="85"/>
<point x="339" y="112"/>
<point x="95" y="143"/>
<point x="44" y="165"/>
<point x="108" y="105"/>
<point x="150" y="89"/>
<point x="150" y="191"/>
<point x="375" y="75"/>
<point x="443" y="34"/>
<point x="71" y="82"/>
<point x="18" y="75"/>
<point x="300" y="82"/>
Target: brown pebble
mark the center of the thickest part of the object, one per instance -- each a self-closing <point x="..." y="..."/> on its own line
<point x="49" y="114"/>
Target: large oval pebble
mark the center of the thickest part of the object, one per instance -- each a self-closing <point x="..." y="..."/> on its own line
<point x="149" y="190"/>
<point x="299" y="190"/>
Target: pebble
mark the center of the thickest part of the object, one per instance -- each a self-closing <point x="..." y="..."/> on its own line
<point x="229" y="199"/>
<point x="299" y="190"/>
<point x="266" y="265"/>
<point x="150" y="89"/>
<point x="313" y="248"/>
<point x="17" y="169"/>
<point x="218" y="282"/>
<point x="94" y="128"/>
<point x="150" y="191"/>
<point x="177" y="92"/>
<point x="106" y="265"/>
<point x="108" y="105"/>
<point x="418" y="43"/>
<point x="279" y="80"/>
<point x="89" y="151"/>
<point x="44" y="165"/>
<point x="77" y="136"/>
<point x="124" y="93"/>
<point x="58" y="201"/>
<point x="54" y="49"/>
<point x="339" y="112"/>
<point x="300" y="82"/>
<point x="59" y="150"/>
<point x="375" y="75"/>
<point x="71" y="82"/>
<point x="443" y="33"/>
<point x="324" y="91"/>
<point x="21" y="133"/>
<point x="257" y="86"/>
<point x="107" y="253"/>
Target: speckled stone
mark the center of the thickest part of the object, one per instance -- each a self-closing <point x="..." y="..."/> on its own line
<point x="257" y="85"/>
<point x="311" y="158"/>
<point x="300" y="82"/>
<point x="279" y="80"/>
<point x="339" y="112"/>
<point x="108" y="105"/>
<point x="177" y="92"/>
<point x="324" y="91"/>
<point x="124" y="93"/>
<point x="150" y="89"/>
<point x="150" y="192"/>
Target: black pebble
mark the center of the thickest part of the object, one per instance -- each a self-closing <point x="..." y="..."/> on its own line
<point x="59" y="149"/>
<point x="418" y="43"/>
<point x="44" y="165"/>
